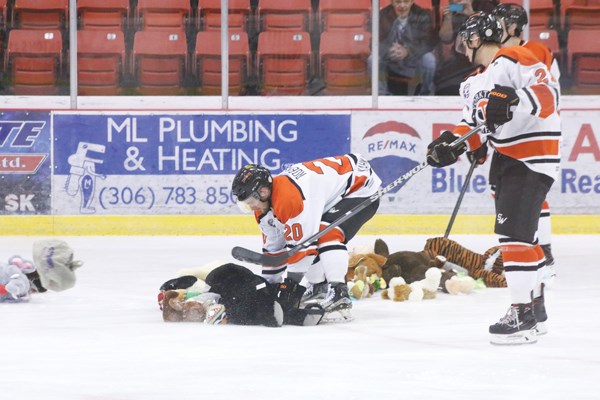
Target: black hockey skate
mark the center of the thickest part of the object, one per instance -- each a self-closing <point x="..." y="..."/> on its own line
<point x="518" y="326"/>
<point x="337" y="303"/>
<point x="315" y="292"/>
<point x="539" y="310"/>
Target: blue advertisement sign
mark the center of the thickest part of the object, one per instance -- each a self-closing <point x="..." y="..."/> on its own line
<point x="141" y="163"/>
<point x="25" y="163"/>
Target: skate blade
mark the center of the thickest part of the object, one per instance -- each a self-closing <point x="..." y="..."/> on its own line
<point x="541" y="329"/>
<point x="518" y="338"/>
<point x="337" y="316"/>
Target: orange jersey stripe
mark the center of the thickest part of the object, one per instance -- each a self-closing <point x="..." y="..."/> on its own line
<point x="546" y="99"/>
<point x="520" y="54"/>
<point x="531" y="148"/>
<point x="474" y="141"/>
<point x="541" y="52"/>
<point x="301" y="254"/>
<point x="335" y="235"/>
<point x="286" y="199"/>
<point x="359" y="182"/>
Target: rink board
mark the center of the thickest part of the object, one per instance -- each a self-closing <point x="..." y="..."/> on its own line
<point x="245" y="225"/>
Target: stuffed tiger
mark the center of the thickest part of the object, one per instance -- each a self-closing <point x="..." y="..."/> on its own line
<point x="492" y="274"/>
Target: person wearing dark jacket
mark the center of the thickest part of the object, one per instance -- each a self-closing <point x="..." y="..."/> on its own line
<point x="406" y="42"/>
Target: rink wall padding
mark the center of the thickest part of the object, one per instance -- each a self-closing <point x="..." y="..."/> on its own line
<point x="114" y="172"/>
<point x="433" y="225"/>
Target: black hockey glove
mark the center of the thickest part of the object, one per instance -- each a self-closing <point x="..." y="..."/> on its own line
<point x="478" y="155"/>
<point x="498" y="110"/>
<point x="441" y="154"/>
<point x="288" y="295"/>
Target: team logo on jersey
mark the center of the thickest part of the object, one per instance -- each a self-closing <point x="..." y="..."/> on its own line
<point x="480" y="101"/>
<point x="392" y="148"/>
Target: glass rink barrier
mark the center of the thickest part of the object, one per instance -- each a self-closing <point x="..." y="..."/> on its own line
<point x="269" y="47"/>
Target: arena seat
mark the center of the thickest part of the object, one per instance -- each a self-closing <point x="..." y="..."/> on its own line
<point x="548" y="37"/>
<point x="207" y="62"/>
<point x="3" y="15"/>
<point x="159" y="62"/>
<point x="34" y="61"/>
<point x="169" y="15"/>
<point x="284" y="62"/>
<point x="581" y="14"/>
<point x="584" y="61"/>
<point x="209" y="15"/>
<point x="290" y="15"/>
<point x="106" y="15"/>
<point x="343" y="62"/>
<point x="338" y="15"/>
<point x="44" y="15"/>
<point x="100" y="62"/>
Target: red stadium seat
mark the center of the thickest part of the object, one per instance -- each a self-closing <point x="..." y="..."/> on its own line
<point x="159" y="62"/>
<point x="343" y="61"/>
<point x="284" y="62"/>
<point x="207" y="62"/>
<point x="163" y="15"/>
<point x="106" y="15"/>
<point x="34" y="61"/>
<point x="44" y="15"/>
<point x="548" y="37"/>
<point x="209" y="15"/>
<point x="289" y="15"/>
<point x="339" y="15"/>
<point x="100" y="60"/>
<point x="584" y="61"/>
<point x="581" y="14"/>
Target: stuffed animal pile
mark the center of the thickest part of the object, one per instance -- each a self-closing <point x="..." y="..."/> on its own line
<point x="416" y="276"/>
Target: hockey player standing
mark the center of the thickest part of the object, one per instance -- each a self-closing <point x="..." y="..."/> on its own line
<point x="299" y="202"/>
<point x="517" y="98"/>
<point x="513" y="18"/>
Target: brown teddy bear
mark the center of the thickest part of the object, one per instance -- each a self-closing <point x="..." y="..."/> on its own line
<point x="373" y="262"/>
<point x="175" y="308"/>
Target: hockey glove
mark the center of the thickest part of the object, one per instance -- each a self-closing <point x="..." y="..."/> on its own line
<point x="478" y="155"/>
<point x="288" y="294"/>
<point x="498" y="110"/>
<point x="440" y="153"/>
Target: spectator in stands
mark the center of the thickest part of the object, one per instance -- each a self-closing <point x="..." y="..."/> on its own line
<point x="453" y="67"/>
<point x="406" y="47"/>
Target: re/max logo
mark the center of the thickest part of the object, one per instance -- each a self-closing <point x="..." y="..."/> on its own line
<point x="21" y="133"/>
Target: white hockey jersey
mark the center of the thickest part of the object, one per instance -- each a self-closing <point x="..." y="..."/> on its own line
<point x="534" y="133"/>
<point x="303" y="193"/>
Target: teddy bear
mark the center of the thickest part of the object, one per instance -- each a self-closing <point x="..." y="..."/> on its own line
<point x="364" y="274"/>
<point x="426" y="288"/>
<point x="183" y="306"/>
<point x="460" y="284"/>
<point x="14" y="284"/>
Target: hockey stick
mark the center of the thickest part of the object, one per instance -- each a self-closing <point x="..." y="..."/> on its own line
<point x="273" y="260"/>
<point x="460" y="198"/>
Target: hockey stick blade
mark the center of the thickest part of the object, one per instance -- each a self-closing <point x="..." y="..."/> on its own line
<point x="273" y="260"/>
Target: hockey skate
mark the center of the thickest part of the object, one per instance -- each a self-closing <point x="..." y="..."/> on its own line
<point x="315" y="292"/>
<point x="539" y="310"/>
<point x="337" y="304"/>
<point x="518" y="326"/>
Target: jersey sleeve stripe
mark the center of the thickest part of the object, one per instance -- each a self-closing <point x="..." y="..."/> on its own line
<point x="545" y="98"/>
<point x="530" y="97"/>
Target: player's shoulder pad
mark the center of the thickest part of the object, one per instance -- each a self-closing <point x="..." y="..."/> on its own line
<point x="287" y="198"/>
<point x="517" y="55"/>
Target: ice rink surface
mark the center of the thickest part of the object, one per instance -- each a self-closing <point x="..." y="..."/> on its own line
<point x="105" y="338"/>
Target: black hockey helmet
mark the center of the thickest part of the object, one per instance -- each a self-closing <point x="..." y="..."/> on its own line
<point x="249" y="180"/>
<point x="512" y="14"/>
<point x="482" y="26"/>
